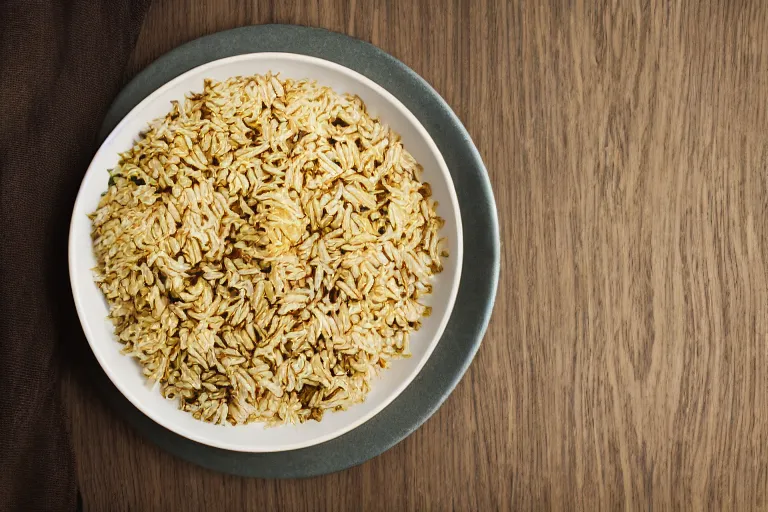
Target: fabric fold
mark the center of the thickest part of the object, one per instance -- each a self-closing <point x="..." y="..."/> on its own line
<point x="61" y="64"/>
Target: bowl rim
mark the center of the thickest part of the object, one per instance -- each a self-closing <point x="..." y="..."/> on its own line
<point x="75" y="277"/>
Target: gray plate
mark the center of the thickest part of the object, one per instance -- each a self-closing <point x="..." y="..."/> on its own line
<point x="479" y="277"/>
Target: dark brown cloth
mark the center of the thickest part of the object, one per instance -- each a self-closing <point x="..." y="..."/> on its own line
<point x="61" y="64"/>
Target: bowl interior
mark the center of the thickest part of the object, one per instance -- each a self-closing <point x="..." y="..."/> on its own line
<point x="92" y="310"/>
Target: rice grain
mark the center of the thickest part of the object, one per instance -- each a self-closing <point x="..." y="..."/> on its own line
<point x="263" y="249"/>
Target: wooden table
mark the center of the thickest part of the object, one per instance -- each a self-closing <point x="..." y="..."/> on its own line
<point x="627" y="360"/>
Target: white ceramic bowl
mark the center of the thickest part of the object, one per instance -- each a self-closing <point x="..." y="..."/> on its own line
<point x="125" y="372"/>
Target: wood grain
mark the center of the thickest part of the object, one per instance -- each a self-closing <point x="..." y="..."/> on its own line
<point x="626" y="365"/>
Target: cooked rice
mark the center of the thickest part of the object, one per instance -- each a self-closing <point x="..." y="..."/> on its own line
<point x="264" y="248"/>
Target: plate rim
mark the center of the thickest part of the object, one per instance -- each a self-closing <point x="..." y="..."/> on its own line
<point x="335" y="47"/>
